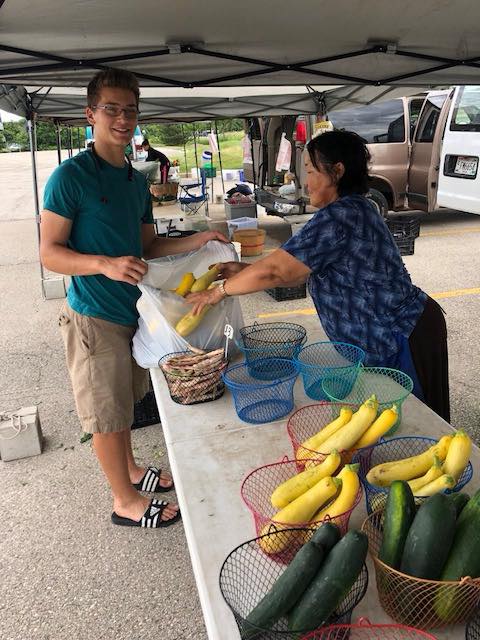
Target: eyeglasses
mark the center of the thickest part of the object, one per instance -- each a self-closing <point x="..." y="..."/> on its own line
<point x="113" y="111"/>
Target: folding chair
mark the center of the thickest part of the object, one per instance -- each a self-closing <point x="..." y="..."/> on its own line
<point x="192" y="202"/>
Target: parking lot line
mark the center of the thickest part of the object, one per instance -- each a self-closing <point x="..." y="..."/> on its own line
<point x="311" y="311"/>
<point x="450" y="232"/>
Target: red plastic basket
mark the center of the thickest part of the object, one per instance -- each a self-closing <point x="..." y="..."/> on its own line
<point x="258" y="487"/>
<point x="364" y="630"/>
<point x="307" y="421"/>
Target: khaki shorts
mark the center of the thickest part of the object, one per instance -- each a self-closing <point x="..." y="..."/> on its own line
<point x="106" y="380"/>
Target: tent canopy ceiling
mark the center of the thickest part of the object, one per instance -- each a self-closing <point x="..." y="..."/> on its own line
<point x="189" y="44"/>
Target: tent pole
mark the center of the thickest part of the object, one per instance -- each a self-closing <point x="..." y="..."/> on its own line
<point x="195" y="147"/>
<point x="78" y="139"/>
<point x="219" y="157"/>
<point x="184" y="151"/>
<point x="59" y="142"/>
<point x="253" y="165"/>
<point x="32" y="137"/>
<point x="211" y="179"/>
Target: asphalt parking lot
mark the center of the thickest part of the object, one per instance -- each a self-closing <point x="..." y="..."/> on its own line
<point x="66" y="573"/>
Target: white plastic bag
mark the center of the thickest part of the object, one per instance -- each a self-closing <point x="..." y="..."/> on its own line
<point x="284" y="155"/>
<point x="160" y="309"/>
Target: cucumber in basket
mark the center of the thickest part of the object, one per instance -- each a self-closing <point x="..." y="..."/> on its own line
<point x="332" y="583"/>
<point x="292" y="583"/>
<point x="399" y="515"/>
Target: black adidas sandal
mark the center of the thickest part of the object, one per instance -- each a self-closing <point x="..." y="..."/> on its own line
<point x="151" y="482"/>
<point x="151" y="519"/>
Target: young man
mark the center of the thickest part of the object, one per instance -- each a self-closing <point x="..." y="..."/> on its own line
<point x="154" y="155"/>
<point x="96" y="226"/>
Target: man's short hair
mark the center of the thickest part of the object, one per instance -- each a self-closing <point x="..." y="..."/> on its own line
<point x="115" y="79"/>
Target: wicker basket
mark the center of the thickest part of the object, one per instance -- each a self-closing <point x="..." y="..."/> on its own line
<point x="193" y="388"/>
<point x="166" y="189"/>
<point x="414" y="601"/>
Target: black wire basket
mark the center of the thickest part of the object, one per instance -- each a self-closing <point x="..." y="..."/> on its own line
<point x="472" y="632"/>
<point x="247" y="575"/>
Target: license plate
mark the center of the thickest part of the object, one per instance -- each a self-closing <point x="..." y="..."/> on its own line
<point x="466" y="166"/>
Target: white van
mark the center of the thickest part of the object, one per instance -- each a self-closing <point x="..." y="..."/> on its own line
<point x="459" y="179"/>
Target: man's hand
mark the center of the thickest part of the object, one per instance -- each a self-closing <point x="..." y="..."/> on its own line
<point x="124" y="269"/>
<point x="205" y="236"/>
<point x="202" y="298"/>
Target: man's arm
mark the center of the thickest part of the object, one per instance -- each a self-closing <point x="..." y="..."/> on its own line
<point x="56" y="256"/>
<point x="155" y="247"/>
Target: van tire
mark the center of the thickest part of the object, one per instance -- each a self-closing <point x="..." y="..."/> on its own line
<point x="380" y="201"/>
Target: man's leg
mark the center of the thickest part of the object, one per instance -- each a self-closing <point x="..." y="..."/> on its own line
<point x="136" y="473"/>
<point x="111" y="451"/>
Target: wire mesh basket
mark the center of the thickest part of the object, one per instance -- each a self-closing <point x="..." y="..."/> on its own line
<point x="322" y="359"/>
<point x="396" y="449"/>
<point x="256" y="491"/>
<point x="258" y="401"/>
<point x="246" y="577"/>
<point x="193" y="385"/>
<point x="306" y="422"/>
<point x="472" y="632"/>
<point x="364" y="630"/>
<point x="391" y="386"/>
<point x="269" y="340"/>
<point x="425" y="604"/>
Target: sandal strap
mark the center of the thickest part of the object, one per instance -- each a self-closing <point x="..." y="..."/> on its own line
<point x="150" y="480"/>
<point x="153" y="514"/>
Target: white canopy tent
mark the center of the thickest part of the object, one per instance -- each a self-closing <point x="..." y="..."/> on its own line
<point x="206" y="60"/>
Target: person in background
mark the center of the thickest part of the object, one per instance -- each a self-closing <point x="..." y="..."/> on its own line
<point x="153" y="155"/>
<point x="97" y="226"/>
<point x="361" y="289"/>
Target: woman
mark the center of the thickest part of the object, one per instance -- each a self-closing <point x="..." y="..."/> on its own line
<point x="361" y="289"/>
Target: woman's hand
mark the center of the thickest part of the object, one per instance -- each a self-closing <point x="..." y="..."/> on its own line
<point x="229" y="269"/>
<point x="203" y="298"/>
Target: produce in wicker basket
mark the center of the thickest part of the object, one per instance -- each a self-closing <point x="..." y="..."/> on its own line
<point x="194" y="377"/>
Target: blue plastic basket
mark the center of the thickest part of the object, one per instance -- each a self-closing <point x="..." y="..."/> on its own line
<point x="395" y="449"/>
<point x="323" y="359"/>
<point x="260" y="401"/>
<point x="270" y="340"/>
<point x="390" y="386"/>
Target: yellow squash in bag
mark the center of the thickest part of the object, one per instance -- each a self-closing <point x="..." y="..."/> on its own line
<point x="206" y="279"/>
<point x="189" y="322"/>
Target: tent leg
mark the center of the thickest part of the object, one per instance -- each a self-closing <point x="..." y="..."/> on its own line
<point x="54" y="287"/>
<point x="253" y="167"/>
<point x="195" y="147"/>
<point x="184" y="151"/>
<point x="78" y="139"/>
<point x="220" y="157"/>
<point x="59" y="142"/>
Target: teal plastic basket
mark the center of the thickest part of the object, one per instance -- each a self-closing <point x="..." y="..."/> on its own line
<point x="390" y="386"/>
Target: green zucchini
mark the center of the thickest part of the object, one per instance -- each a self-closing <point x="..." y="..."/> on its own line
<point x="327" y="536"/>
<point x="471" y="507"/>
<point x="459" y="500"/>
<point x="463" y="560"/>
<point x="332" y="583"/>
<point x="399" y="514"/>
<point x="286" y="590"/>
<point x="430" y="538"/>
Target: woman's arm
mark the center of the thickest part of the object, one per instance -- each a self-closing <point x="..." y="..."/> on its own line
<point x="276" y="270"/>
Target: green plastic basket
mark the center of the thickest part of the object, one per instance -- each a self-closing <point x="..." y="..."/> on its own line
<point x="391" y="386"/>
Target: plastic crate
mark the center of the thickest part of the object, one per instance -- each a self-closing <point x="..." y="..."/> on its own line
<point x="241" y="210"/>
<point x="146" y="412"/>
<point x="404" y="227"/>
<point x="210" y="172"/>
<point x="280" y="294"/>
<point x="406" y="246"/>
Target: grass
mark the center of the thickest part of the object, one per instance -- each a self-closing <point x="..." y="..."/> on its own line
<point x="230" y="144"/>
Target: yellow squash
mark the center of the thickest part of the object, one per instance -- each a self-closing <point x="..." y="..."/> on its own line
<point x="458" y="455"/>
<point x="346" y="436"/>
<point x="345" y="499"/>
<point x="185" y="284"/>
<point x="408" y="468"/>
<point x="313" y="444"/>
<point x="294" y="487"/>
<point x="440" y="484"/>
<point x="432" y="474"/>
<point x="189" y="322"/>
<point x="206" y="279"/>
<point x="379" y="428"/>
<point x="297" y="512"/>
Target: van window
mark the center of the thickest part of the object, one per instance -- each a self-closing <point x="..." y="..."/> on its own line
<point x="381" y="122"/>
<point x="466" y="113"/>
<point x="415" y="107"/>
<point x="427" y="123"/>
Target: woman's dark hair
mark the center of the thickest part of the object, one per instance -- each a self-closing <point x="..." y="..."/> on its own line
<point x="348" y="148"/>
<point x="145" y="142"/>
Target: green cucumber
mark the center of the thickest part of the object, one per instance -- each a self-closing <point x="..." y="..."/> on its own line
<point x="430" y="538"/>
<point x="286" y="590"/>
<point x="332" y="583"/>
<point x="327" y="536"/>
<point x="463" y="559"/>
<point x="459" y="500"/>
<point x="399" y="514"/>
